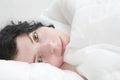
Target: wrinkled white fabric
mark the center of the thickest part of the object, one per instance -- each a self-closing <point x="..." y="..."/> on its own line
<point x="95" y="38"/>
<point x="12" y="70"/>
<point x="98" y="62"/>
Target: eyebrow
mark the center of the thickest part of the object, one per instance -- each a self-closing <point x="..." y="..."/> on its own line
<point x="30" y="38"/>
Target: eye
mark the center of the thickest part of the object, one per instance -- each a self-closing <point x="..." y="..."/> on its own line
<point x="39" y="60"/>
<point x="35" y="37"/>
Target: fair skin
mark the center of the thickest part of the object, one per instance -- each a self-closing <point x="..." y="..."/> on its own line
<point x="44" y="45"/>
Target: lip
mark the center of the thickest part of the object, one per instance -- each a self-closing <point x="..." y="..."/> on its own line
<point x="62" y="47"/>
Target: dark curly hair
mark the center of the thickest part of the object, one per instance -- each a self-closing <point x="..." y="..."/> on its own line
<point x="9" y="33"/>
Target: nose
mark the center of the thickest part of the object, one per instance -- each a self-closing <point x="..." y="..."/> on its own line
<point x="53" y="46"/>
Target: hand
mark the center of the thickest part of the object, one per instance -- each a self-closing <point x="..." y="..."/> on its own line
<point x="67" y="66"/>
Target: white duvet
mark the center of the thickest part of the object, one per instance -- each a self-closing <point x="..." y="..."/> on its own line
<point x="98" y="62"/>
<point x="95" y="39"/>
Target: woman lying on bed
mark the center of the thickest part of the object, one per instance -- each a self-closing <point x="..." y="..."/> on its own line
<point x="34" y="42"/>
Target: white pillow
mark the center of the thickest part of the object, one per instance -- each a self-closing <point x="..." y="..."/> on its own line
<point x="14" y="70"/>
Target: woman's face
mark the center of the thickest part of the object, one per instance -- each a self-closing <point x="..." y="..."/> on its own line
<point x="42" y="45"/>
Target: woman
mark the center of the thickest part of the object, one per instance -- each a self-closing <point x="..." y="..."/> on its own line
<point x="34" y="42"/>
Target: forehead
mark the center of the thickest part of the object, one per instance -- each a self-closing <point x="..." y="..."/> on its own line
<point x="25" y="49"/>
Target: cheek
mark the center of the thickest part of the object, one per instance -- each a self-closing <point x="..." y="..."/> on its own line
<point x="55" y="61"/>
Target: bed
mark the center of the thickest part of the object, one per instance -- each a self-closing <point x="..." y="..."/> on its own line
<point x="95" y="41"/>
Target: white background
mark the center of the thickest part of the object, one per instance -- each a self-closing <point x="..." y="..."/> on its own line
<point x="21" y="10"/>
